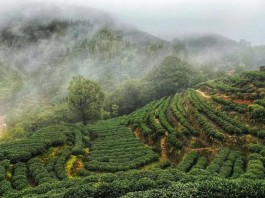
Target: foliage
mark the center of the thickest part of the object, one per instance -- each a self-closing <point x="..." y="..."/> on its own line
<point x="110" y="159"/>
<point x="24" y="149"/>
<point x="29" y="121"/>
<point x="115" y="149"/>
<point x="257" y="112"/>
<point x="228" y="105"/>
<point x="19" y="180"/>
<point x="86" y="98"/>
<point x="170" y="76"/>
<point x="10" y="83"/>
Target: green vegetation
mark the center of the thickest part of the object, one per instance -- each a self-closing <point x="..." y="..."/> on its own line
<point x="116" y="149"/>
<point x="167" y="146"/>
<point x="228" y="105"/>
<point x="10" y="82"/>
<point x="170" y="76"/>
<point x="86" y="98"/>
<point x="24" y="149"/>
<point x="184" y="131"/>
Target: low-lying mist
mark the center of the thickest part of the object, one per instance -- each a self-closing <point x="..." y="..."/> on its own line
<point x="44" y="46"/>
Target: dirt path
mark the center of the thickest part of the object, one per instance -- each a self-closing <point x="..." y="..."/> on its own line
<point x="205" y="149"/>
<point x="203" y="94"/>
<point x="163" y="148"/>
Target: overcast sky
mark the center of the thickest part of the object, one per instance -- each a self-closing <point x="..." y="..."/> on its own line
<point x="170" y="18"/>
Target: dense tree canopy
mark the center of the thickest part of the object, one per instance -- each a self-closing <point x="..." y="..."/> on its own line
<point x="172" y="75"/>
<point x="85" y="98"/>
<point x="167" y="78"/>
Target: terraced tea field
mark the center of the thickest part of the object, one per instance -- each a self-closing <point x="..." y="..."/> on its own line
<point x="215" y="130"/>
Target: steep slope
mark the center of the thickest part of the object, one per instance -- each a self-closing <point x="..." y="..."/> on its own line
<point x="220" y="113"/>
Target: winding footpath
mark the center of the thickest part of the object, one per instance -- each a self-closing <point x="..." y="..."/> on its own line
<point x="203" y="94"/>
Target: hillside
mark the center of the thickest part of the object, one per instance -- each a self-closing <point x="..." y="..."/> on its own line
<point x="93" y="107"/>
<point x="10" y="82"/>
<point x="201" y="142"/>
<point x="50" y="44"/>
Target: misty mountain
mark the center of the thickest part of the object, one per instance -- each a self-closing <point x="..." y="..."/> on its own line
<point x="50" y="44"/>
<point x="207" y="41"/>
<point x="218" y="51"/>
<point x="42" y="37"/>
<point x="41" y="18"/>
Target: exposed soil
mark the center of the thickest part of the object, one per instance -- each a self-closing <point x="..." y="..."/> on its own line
<point x="203" y="94"/>
<point x="73" y="165"/>
<point x="161" y="144"/>
<point x="238" y="101"/>
<point x="137" y="133"/>
<point x="163" y="148"/>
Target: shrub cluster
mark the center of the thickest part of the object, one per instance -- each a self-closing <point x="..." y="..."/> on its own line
<point x="181" y="116"/>
<point x="228" y="105"/>
<point x="60" y="164"/>
<point x="78" y="148"/>
<point x="218" y="161"/>
<point x="38" y="172"/>
<point x="188" y="161"/>
<point x="24" y="149"/>
<point x="116" y="149"/>
<point x="222" y="119"/>
<point x="19" y="179"/>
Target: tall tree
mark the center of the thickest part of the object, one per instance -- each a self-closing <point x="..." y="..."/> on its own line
<point x="85" y="98"/>
<point x="170" y="76"/>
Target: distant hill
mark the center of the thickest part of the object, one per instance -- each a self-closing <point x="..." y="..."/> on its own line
<point x="218" y="51"/>
<point x="42" y="39"/>
<point x="49" y="44"/>
<point x="207" y="41"/>
<point x="41" y="14"/>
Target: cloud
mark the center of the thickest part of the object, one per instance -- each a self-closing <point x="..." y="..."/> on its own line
<point x="169" y="18"/>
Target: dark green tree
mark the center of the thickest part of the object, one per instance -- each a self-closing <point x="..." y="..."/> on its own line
<point x="85" y="98"/>
<point x="170" y="76"/>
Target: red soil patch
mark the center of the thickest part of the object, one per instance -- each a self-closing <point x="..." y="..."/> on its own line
<point x="239" y="101"/>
